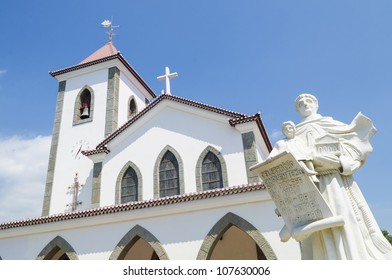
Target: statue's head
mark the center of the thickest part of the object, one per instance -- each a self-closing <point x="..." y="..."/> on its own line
<point x="288" y="129"/>
<point x="306" y="104"/>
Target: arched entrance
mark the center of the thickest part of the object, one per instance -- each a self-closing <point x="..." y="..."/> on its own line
<point x="138" y="244"/>
<point x="58" y="249"/>
<point x="234" y="238"/>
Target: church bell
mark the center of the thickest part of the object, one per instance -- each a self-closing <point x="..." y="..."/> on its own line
<point x="85" y="114"/>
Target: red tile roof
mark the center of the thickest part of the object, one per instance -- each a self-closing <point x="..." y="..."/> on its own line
<point x="107" y="50"/>
<point x="135" y="205"/>
<point x="96" y="151"/>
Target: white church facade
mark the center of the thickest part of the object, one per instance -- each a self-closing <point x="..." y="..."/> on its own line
<point x="133" y="175"/>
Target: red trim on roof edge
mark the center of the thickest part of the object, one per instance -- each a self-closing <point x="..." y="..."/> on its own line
<point x="135" y="205"/>
<point x="108" y="58"/>
<point x="95" y="152"/>
<point x="263" y="132"/>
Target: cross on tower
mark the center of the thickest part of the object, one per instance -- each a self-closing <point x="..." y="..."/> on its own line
<point x="167" y="78"/>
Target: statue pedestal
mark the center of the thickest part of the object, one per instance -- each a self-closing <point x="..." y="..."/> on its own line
<point x="296" y="197"/>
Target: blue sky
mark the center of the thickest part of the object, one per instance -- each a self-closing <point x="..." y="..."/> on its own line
<point x="248" y="56"/>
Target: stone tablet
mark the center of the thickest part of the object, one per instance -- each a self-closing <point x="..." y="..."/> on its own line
<point x="296" y="197"/>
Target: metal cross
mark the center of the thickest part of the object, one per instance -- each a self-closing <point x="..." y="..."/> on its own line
<point x="167" y="78"/>
<point x="76" y="186"/>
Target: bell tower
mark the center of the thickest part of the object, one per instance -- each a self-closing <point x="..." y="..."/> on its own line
<point x="94" y="98"/>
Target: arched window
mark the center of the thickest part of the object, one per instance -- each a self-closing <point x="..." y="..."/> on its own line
<point x="169" y="181"/>
<point x="132" y="108"/>
<point x="85" y="104"/>
<point x="211" y="172"/>
<point x="129" y="186"/>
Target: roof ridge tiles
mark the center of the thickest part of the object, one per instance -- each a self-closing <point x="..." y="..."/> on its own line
<point x="110" y="209"/>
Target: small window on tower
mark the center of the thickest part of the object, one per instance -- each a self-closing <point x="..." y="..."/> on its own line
<point x="85" y="104"/>
<point x="132" y="108"/>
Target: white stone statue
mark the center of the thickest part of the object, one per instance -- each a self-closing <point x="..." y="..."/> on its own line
<point x="337" y="150"/>
<point x="296" y="147"/>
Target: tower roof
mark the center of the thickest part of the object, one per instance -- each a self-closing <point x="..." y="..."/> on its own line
<point x="106" y="53"/>
<point x="107" y="50"/>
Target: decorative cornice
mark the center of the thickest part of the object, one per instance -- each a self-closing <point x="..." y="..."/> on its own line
<point x="135" y="205"/>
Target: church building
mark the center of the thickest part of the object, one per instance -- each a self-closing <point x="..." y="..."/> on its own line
<point x="136" y="175"/>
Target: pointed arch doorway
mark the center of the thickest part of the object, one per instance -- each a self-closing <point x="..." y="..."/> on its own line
<point x="58" y="249"/>
<point x="138" y="244"/>
<point x="233" y="238"/>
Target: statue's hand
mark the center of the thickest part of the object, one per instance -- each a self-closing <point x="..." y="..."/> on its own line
<point x="348" y="165"/>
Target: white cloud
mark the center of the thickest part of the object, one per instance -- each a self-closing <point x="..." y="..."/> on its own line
<point x="276" y="135"/>
<point x="2" y="71"/>
<point x="23" y="168"/>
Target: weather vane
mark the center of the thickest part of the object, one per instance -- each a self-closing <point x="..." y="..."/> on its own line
<point x="108" y="24"/>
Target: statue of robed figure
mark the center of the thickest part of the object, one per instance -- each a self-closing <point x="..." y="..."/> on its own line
<point x="321" y="204"/>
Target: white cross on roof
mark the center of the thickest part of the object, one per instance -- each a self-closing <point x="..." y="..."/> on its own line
<point x="167" y="78"/>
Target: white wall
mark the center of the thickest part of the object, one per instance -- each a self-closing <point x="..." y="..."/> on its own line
<point x="92" y="132"/>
